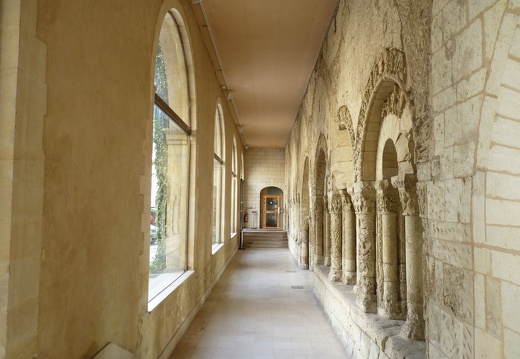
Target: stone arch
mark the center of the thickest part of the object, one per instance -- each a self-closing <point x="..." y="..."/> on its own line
<point x="305" y="216"/>
<point x="344" y="144"/>
<point x="320" y="202"/>
<point x="384" y="93"/>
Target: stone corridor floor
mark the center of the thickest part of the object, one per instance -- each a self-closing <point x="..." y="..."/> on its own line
<point x="263" y="307"/>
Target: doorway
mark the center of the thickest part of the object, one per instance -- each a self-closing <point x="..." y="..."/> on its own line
<point x="271" y="208"/>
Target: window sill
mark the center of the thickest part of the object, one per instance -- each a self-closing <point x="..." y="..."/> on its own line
<point x="152" y="304"/>
<point x="233" y="235"/>
<point x="216" y="247"/>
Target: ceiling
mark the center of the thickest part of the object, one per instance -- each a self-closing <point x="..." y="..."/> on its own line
<point x="264" y="52"/>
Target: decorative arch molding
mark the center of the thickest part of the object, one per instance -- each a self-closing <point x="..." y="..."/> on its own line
<point x="344" y="121"/>
<point x="384" y="93"/>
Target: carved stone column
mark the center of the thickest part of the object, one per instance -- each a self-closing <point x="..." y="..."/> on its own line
<point x="326" y="231"/>
<point x="304" y="244"/>
<point x="414" y="326"/>
<point x="364" y="204"/>
<point x="387" y="206"/>
<point x="335" y="239"/>
<point x="349" y="240"/>
<point x="317" y="246"/>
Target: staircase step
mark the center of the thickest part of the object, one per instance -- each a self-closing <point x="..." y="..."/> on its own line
<point x="265" y="238"/>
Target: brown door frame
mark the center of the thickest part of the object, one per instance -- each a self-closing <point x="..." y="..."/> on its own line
<point x="278" y="211"/>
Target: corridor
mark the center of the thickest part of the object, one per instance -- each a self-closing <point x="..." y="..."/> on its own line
<point x="262" y="307"/>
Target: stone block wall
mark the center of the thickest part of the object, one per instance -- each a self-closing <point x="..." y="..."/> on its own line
<point x="456" y="130"/>
<point x="263" y="168"/>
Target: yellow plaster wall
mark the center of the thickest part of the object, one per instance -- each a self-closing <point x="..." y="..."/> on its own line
<point x="79" y="178"/>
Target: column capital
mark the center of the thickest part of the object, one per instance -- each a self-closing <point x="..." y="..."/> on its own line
<point x="346" y="201"/>
<point x="364" y="195"/>
<point x="407" y="186"/>
<point x="387" y="197"/>
<point x="335" y="204"/>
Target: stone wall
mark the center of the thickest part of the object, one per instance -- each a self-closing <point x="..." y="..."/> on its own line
<point x="263" y="168"/>
<point x="76" y="144"/>
<point x="415" y="105"/>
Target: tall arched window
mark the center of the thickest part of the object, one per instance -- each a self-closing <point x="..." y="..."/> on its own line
<point x="234" y="188"/>
<point x="218" y="175"/>
<point x="170" y="157"/>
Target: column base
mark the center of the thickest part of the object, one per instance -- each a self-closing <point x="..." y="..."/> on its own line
<point x="349" y="278"/>
<point x="413" y="330"/>
<point x="335" y="275"/>
<point x="367" y="304"/>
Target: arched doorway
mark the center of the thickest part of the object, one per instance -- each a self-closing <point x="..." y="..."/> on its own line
<point x="271" y="208"/>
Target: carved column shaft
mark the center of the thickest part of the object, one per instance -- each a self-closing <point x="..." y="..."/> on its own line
<point x="317" y="246"/>
<point x="388" y="205"/>
<point x="335" y="239"/>
<point x="414" y="326"/>
<point x="364" y="204"/>
<point x="304" y="245"/>
<point x="349" y="241"/>
<point x="326" y="232"/>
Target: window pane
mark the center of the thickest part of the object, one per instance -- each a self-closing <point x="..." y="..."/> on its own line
<point x="171" y="75"/>
<point x="168" y="220"/>
<point x="217" y="197"/>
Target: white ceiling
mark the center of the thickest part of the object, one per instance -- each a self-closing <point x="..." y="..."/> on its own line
<point x="265" y="53"/>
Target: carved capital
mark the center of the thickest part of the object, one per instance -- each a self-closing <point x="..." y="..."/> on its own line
<point x="387" y="197"/>
<point x="407" y="186"/>
<point x="335" y="205"/>
<point x="364" y="197"/>
<point x="346" y="201"/>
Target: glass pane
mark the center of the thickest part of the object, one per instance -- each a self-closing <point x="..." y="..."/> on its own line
<point x="216" y="222"/>
<point x="168" y="215"/>
<point x="270" y="219"/>
<point x="271" y="203"/>
<point x="171" y="75"/>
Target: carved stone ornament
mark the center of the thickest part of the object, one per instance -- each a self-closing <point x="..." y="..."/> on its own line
<point x="421" y="136"/>
<point x="407" y="193"/>
<point x="391" y="64"/>
<point x="395" y="103"/>
<point x="336" y="206"/>
<point x="347" y="202"/>
<point x="387" y="197"/>
<point x="364" y="197"/>
<point x="344" y="121"/>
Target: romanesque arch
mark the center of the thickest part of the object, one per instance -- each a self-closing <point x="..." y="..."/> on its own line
<point x="389" y="230"/>
<point x="304" y="217"/>
<point x="318" y="245"/>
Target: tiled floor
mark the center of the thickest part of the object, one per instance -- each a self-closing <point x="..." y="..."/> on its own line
<point x="262" y="308"/>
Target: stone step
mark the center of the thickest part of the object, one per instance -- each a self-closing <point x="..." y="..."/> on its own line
<point x="265" y="238"/>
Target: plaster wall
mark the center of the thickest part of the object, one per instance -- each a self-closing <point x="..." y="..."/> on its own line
<point x="76" y="166"/>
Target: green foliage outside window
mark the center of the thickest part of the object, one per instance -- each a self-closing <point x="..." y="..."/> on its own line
<point x="160" y="122"/>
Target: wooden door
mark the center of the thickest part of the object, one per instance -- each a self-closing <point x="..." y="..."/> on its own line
<point x="272" y="208"/>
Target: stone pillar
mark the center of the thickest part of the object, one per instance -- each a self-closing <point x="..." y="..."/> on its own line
<point x="364" y="204"/>
<point x="349" y="240"/>
<point x="335" y="239"/>
<point x="326" y="231"/>
<point x="387" y="206"/>
<point x="317" y="245"/>
<point x="304" y="244"/>
<point x="414" y="326"/>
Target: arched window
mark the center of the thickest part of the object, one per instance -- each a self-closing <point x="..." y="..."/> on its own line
<point x="218" y="175"/>
<point x="170" y="158"/>
<point x="234" y="188"/>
